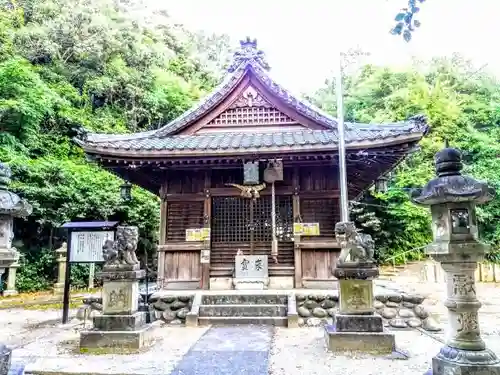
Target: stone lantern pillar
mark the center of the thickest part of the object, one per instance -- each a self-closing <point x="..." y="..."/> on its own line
<point x="11" y="206"/>
<point x="61" y="269"/>
<point x="452" y="199"/>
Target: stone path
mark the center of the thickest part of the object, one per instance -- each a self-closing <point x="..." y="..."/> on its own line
<point x="228" y="351"/>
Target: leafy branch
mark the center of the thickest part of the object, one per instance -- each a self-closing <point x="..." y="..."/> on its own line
<point x="406" y="22"/>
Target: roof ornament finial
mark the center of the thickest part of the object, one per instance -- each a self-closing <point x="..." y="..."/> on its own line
<point x="248" y="54"/>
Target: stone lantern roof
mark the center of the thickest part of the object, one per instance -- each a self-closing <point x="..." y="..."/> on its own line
<point x="10" y="203"/>
<point x="450" y="185"/>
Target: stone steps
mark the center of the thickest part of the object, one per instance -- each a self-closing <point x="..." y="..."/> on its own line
<point x="244" y="299"/>
<point x="280" y="321"/>
<point x="246" y="310"/>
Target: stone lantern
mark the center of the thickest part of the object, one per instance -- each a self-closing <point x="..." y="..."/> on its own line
<point x="11" y="206"/>
<point x="452" y="199"/>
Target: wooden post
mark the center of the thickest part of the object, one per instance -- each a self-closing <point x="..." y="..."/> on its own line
<point x="207" y="218"/>
<point x="296" y="240"/>
<point x="163" y="234"/>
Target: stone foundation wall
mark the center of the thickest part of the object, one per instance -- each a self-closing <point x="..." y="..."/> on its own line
<point x="397" y="310"/>
<point x="171" y="309"/>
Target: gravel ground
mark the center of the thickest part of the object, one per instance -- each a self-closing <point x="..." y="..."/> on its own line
<point x="58" y="353"/>
<point x="303" y="351"/>
<point x="41" y="342"/>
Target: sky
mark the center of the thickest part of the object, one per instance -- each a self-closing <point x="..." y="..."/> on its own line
<point x="302" y="39"/>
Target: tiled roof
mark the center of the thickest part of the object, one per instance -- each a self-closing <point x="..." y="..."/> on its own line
<point x="249" y="59"/>
<point x="242" y="141"/>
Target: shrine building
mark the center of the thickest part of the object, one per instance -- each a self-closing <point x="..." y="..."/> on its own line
<point x="216" y="168"/>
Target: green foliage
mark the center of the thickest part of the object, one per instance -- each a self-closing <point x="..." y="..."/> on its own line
<point x="107" y="65"/>
<point x="461" y="105"/>
<point x="406" y="23"/>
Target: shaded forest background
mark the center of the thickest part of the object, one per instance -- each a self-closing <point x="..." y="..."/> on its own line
<point x="116" y="66"/>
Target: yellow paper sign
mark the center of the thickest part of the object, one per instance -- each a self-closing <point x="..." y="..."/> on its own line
<point x="197" y="234"/>
<point x="205" y="234"/>
<point x="306" y="229"/>
<point x="297" y="229"/>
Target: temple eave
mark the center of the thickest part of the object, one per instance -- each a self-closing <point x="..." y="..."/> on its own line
<point x="176" y="150"/>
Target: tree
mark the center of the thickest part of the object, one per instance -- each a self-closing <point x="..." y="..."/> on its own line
<point x="109" y="65"/>
<point x="461" y="105"/>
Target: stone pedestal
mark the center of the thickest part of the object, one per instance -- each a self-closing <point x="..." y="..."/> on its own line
<point x="121" y="325"/>
<point x="8" y="264"/>
<point x="356" y="327"/>
<point x="452" y="198"/>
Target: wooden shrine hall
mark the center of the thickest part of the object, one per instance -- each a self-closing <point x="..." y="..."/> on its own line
<point x="240" y="168"/>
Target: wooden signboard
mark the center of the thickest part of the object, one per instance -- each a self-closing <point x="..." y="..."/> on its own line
<point x="86" y="246"/>
<point x="306" y="229"/>
<point x="197" y="234"/>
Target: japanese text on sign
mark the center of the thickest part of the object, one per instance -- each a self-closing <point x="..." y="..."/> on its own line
<point x="197" y="234"/>
<point x="251" y="266"/>
<point x="86" y="247"/>
<point x="306" y="229"/>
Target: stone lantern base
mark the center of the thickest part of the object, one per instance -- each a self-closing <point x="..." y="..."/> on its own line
<point x="451" y="361"/>
<point x="356" y="327"/>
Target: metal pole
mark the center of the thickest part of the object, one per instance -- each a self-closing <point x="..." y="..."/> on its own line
<point x="67" y="280"/>
<point x="91" y="275"/>
<point x="344" y="203"/>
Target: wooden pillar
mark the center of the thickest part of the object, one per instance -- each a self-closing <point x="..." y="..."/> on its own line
<point x="296" y="217"/>
<point x="207" y="221"/>
<point x="163" y="234"/>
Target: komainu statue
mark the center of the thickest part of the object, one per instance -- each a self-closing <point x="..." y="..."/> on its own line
<point x="121" y="252"/>
<point x="359" y="246"/>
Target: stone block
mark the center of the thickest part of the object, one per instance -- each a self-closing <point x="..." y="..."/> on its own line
<point x="293" y="316"/>
<point x="243" y="310"/>
<point x="251" y="283"/>
<point x="120" y="297"/>
<point x="192" y="316"/>
<point x="5" y="359"/>
<point x="358" y="323"/>
<point x="366" y="342"/>
<point x="356" y="297"/>
<point x="120" y="322"/>
<point x="126" y="340"/>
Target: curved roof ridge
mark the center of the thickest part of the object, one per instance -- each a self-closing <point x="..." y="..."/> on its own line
<point x="204" y="104"/>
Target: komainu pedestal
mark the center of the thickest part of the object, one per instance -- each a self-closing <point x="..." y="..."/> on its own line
<point x="356" y="327"/>
<point x="452" y="198"/>
<point x="121" y="325"/>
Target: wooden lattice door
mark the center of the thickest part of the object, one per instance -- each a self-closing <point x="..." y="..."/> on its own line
<point x="245" y="224"/>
